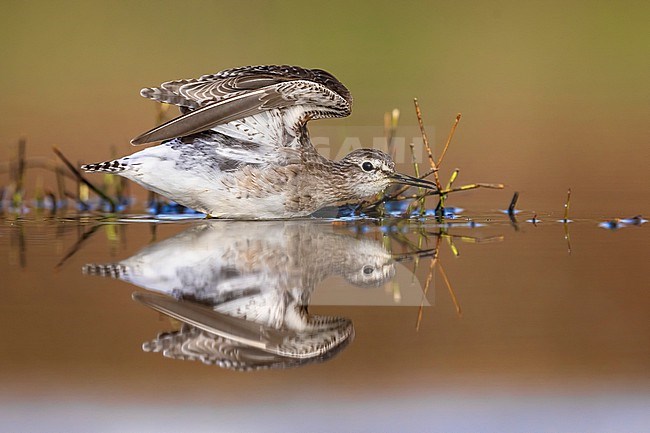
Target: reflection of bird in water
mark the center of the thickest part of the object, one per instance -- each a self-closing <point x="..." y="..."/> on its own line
<point x="221" y="260"/>
<point x="241" y="149"/>
<point x="194" y="344"/>
<point x="263" y="273"/>
<point x="231" y="342"/>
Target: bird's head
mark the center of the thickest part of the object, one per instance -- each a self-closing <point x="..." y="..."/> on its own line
<point x="369" y="171"/>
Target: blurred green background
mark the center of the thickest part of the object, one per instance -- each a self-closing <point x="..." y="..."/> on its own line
<point x="553" y="94"/>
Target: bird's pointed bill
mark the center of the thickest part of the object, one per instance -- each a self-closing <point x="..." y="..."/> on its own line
<point x="412" y="181"/>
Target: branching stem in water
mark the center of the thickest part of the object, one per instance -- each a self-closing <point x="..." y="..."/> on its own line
<point x="82" y="179"/>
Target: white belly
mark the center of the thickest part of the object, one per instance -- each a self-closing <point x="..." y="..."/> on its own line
<point x="205" y="189"/>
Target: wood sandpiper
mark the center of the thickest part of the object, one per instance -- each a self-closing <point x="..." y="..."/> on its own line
<point x="241" y="149"/>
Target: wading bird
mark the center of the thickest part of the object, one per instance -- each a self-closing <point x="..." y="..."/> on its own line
<point x="241" y="149"/>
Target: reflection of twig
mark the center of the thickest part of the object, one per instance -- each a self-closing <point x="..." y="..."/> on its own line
<point x="415" y="252"/>
<point x="22" y="256"/>
<point x="435" y="261"/>
<point x="432" y="264"/>
<point x="153" y="229"/>
<point x="470" y="239"/>
<point x="451" y="291"/>
<point x="452" y="246"/>
<point x="403" y="240"/>
<point x="83" y="180"/>
<point x="566" y="220"/>
<point x="512" y="212"/>
<point x="495" y="238"/>
<point x="73" y="250"/>
<point x="567" y="237"/>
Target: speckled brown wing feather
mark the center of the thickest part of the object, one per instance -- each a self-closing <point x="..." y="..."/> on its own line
<point x="237" y="93"/>
<point x="197" y="92"/>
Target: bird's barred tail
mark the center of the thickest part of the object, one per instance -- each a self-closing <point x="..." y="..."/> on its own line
<point x="114" y="166"/>
<point x="169" y="93"/>
<point x="114" y="270"/>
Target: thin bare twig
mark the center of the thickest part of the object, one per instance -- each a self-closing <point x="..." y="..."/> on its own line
<point x="20" y="175"/>
<point x="449" y="137"/>
<point x="467" y="187"/>
<point x="434" y="167"/>
<point x="82" y="179"/>
<point x="419" y="203"/>
<point x="441" y="202"/>
<point x="566" y="205"/>
<point x="425" y="139"/>
<point x="390" y="126"/>
<point x="513" y="203"/>
<point x="566" y="220"/>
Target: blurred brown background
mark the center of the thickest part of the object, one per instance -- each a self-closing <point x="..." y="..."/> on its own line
<point x="553" y="94"/>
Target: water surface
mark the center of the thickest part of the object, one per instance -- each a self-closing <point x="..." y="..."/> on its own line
<point x="298" y="320"/>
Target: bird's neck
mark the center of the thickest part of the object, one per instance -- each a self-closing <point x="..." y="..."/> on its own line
<point x="331" y="183"/>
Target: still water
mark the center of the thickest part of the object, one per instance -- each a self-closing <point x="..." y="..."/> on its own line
<point x="138" y="324"/>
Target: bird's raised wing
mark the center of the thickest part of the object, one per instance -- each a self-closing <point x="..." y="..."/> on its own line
<point x="230" y="95"/>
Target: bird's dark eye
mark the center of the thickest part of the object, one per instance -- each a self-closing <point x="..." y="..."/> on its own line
<point x="367" y="166"/>
<point x="367" y="270"/>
